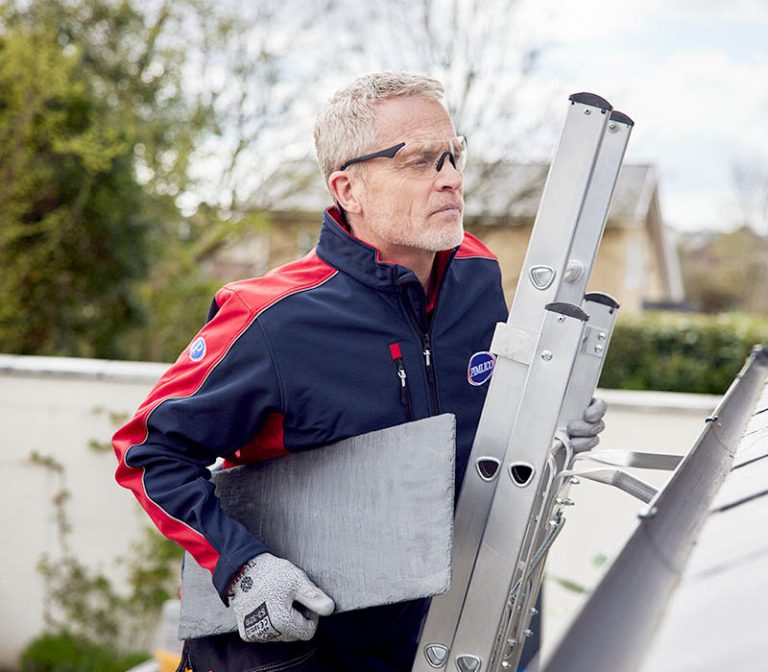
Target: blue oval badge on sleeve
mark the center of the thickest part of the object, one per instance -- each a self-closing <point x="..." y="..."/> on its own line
<point x="480" y="367"/>
<point x="197" y="349"/>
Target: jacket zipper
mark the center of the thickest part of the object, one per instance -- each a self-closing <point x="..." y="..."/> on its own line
<point x="405" y="393"/>
<point x="427" y="352"/>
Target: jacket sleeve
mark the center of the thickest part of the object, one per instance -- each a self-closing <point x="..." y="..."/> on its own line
<point x="221" y="395"/>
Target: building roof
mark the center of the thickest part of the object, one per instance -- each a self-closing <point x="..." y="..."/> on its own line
<point x="502" y="193"/>
<point x="687" y="592"/>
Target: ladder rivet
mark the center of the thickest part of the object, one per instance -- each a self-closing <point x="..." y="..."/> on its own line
<point x="534" y="611"/>
<point x="575" y="480"/>
<point x="598" y="349"/>
<point x="547" y="356"/>
<point x="601" y="335"/>
<point x="528" y="632"/>
<point x="560" y="318"/>
<point x="587" y="112"/>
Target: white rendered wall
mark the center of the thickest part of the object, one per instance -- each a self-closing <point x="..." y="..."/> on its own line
<point x="57" y="406"/>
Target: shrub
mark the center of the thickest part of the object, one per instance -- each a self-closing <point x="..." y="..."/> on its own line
<point x="681" y="352"/>
<point x="62" y="652"/>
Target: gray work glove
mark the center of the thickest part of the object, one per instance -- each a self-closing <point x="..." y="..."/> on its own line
<point x="263" y="595"/>
<point x="583" y="433"/>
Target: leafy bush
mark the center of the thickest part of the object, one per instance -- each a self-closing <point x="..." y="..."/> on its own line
<point x="63" y="652"/>
<point x="91" y="625"/>
<point x="681" y="352"/>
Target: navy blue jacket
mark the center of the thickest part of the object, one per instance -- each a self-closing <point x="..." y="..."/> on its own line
<point x="333" y="345"/>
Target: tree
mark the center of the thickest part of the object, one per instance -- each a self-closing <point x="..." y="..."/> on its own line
<point x="94" y="138"/>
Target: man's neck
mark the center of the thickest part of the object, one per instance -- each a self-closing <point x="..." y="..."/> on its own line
<point x="421" y="262"/>
<point x="417" y="260"/>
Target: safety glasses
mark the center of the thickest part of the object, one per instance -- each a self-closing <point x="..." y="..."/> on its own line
<point x="420" y="159"/>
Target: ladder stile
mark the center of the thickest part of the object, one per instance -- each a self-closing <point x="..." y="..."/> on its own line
<point x="602" y="310"/>
<point x="591" y="224"/>
<point x="565" y="193"/>
<point x="515" y="498"/>
<point x="558" y="239"/>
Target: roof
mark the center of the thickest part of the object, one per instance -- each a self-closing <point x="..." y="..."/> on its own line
<point x="716" y="618"/>
<point x="503" y="192"/>
<point x="687" y="592"/>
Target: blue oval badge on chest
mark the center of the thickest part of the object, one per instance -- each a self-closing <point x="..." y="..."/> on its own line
<point x="197" y="349"/>
<point x="480" y="368"/>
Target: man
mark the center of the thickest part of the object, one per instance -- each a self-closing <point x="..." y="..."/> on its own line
<point x="372" y="328"/>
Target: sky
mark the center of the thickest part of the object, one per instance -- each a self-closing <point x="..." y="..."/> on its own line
<point x="693" y="75"/>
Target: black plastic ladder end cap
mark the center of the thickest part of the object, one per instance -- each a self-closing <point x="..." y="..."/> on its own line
<point x="621" y="118"/>
<point x="602" y="299"/>
<point x="567" y="309"/>
<point x="591" y="99"/>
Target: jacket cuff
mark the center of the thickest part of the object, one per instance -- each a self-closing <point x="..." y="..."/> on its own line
<point x="228" y="567"/>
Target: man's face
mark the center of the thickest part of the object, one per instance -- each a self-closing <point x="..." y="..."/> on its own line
<point x="399" y="209"/>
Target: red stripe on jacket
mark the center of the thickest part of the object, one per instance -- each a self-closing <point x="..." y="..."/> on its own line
<point x="245" y="301"/>
<point x="473" y="247"/>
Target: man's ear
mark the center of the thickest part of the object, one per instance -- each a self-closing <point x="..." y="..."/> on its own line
<point x="341" y="185"/>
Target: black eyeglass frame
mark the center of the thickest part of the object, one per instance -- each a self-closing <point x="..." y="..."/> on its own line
<point x="389" y="153"/>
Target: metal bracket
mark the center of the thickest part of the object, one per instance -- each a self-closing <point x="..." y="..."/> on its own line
<point x="595" y="341"/>
<point x="628" y="458"/>
<point x="618" y="479"/>
<point x="513" y="343"/>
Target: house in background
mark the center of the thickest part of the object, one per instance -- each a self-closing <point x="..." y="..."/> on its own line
<point x="636" y="262"/>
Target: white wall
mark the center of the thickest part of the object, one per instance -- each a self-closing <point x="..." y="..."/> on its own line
<point x="57" y="406"/>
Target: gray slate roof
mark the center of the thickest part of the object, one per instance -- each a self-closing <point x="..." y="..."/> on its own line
<point x="717" y="619"/>
<point x="687" y="593"/>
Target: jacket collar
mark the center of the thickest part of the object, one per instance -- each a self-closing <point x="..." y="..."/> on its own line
<point x="338" y="247"/>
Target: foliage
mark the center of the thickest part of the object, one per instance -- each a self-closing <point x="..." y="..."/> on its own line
<point x="681" y="352"/>
<point x="65" y="653"/>
<point x="178" y="291"/>
<point x="94" y="142"/>
<point x="87" y="617"/>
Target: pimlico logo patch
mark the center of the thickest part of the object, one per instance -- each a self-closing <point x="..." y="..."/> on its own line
<point x="197" y="349"/>
<point x="480" y="367"/>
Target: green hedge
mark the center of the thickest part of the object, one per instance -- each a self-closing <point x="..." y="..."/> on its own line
<point x="63" y="652"/>
<point x="681" y="352"/>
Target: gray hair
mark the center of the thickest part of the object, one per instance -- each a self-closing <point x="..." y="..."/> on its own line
<point x="344" y="127"/>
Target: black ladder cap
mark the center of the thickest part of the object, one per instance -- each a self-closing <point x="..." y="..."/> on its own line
<point x="567" y="309"/>
<point x="590" y="99"/>
<point x="602" y="299"/>
<point x="621" y="118"/>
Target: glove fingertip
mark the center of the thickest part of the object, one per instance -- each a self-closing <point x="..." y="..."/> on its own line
<point x="596" y="410"/>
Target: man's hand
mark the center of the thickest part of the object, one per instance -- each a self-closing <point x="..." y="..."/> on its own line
<point x="583" y="434"/>
<point x="263" y="595"/>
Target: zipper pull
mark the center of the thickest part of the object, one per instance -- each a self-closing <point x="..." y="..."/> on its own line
<point x="427" y="351"/>
<point x="401" y="372"/>
<point x="405" y="396"/>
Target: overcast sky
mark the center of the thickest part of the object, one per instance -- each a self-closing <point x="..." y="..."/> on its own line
<point x="692" y="74"/>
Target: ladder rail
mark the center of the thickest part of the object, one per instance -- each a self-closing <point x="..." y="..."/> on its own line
<point x="515" y="497"/>
<point x="603" y="311"/>
<point x="544" y="270"/>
